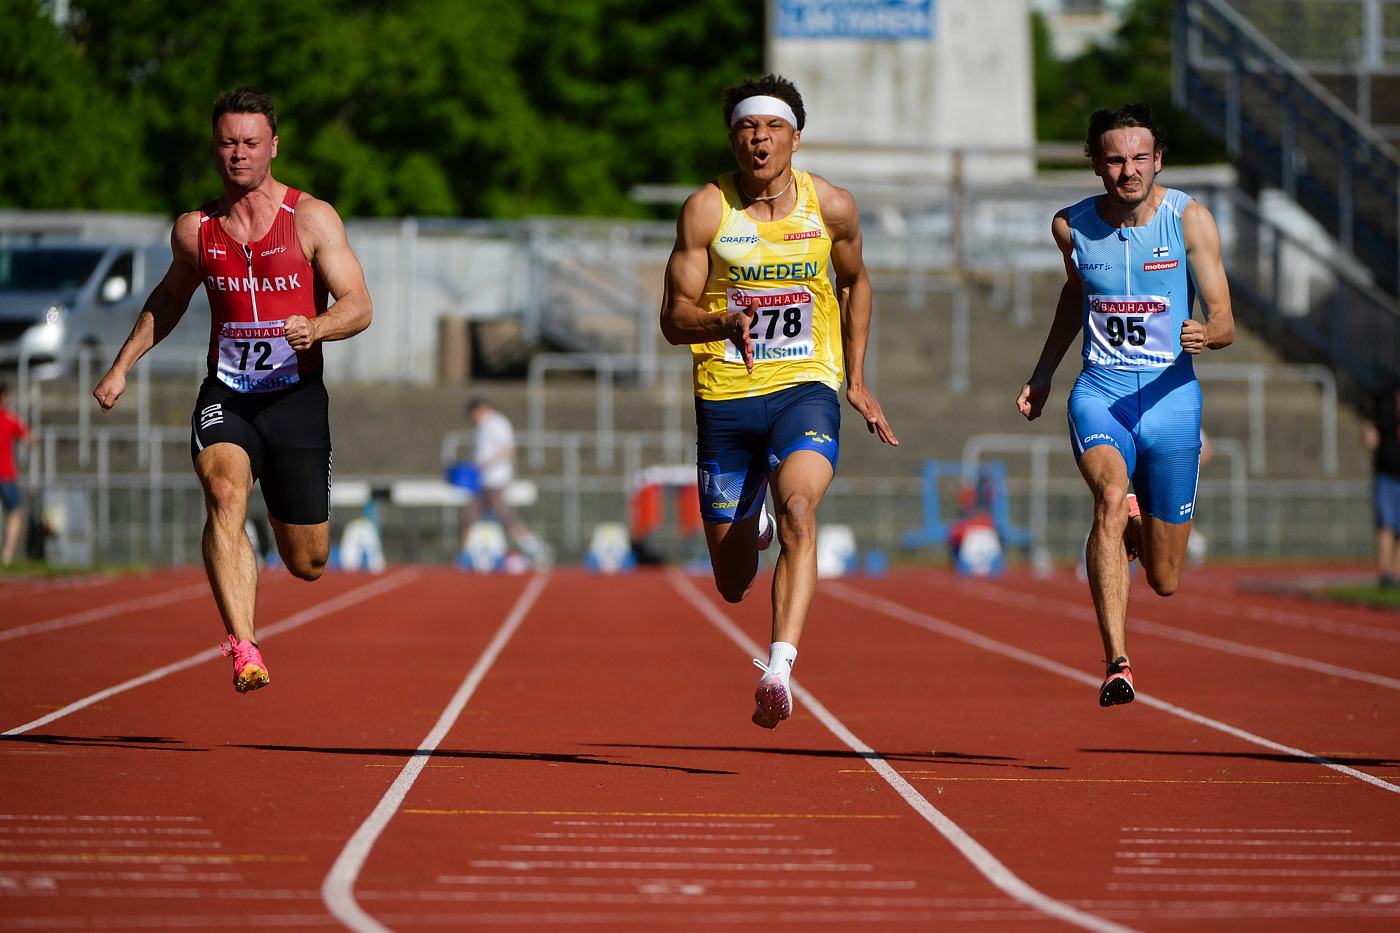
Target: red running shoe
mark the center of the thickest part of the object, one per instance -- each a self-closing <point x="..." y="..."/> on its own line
<point x="1118" y="685"/>
<point x="249" y="669"/>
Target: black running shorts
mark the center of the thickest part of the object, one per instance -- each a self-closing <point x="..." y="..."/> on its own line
<point x="287" y="436"/>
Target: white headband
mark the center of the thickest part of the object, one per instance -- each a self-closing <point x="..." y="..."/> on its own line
<point x="768" y="106"/>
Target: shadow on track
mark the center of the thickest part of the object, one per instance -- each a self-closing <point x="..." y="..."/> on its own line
<point x="933" y="757"/>
<point x="1351" y="762"/>
<point x="153" y="742"/>
<point x="546" y="757"/>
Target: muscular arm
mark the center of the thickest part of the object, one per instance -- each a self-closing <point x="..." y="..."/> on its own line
<point x="161" y="312"/>
<point x="1069" y="319"/>
<point x="853" y="295"/>
<point x="323" y="236"/>
<point x="1213" y="288"/>
<point x="683" y="321"/>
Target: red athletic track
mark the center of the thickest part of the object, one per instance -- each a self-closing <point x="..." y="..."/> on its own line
<point x="446" y="751"/>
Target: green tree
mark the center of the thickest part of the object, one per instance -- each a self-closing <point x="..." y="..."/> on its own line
<point x="1134" y="66"/>
<point x="68" y="142"/>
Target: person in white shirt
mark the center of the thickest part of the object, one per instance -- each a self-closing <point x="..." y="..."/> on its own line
<point x="493" y="455"/>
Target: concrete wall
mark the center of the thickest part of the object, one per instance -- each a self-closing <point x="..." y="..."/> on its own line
<point x="893" y="88"/>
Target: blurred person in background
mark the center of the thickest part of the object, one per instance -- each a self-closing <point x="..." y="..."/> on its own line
<point x="1136" y="259"/>
<point x="270" y="258"/>
<point x="493" y="457"/>
<point x="1381" y="432"/>
<point x="12" y="431"/>
<point x="747" y="288"/>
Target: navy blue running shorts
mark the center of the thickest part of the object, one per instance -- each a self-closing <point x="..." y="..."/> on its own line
<point x="740" y="441"/>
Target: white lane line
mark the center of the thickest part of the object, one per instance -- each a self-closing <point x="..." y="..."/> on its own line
<point x="338" y="890"/>
<point x="1143" y="626"/>
<point x="980" y="858"/>
<point x="344" y="600"/>
<point x="106" y="612"/>
<point x="1296" y="620"/>
<point x="925" y="621"/>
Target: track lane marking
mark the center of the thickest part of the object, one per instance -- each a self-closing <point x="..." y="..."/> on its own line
<point x="344" y="600"/>
<point x="338" y="889"/>
<point x="106" y="612"/>
<point x="931" y="623"/>
<point x="1016" y="599"/>
<point x="976" y="854"/>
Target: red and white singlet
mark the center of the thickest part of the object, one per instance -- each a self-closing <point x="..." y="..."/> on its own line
<point x="253" y="288"/>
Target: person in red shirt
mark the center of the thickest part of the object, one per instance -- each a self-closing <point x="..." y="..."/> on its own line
<point x="12" y="429"/>
<point x="270" y="258"/>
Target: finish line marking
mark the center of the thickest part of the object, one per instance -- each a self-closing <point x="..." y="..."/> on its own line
<point x="980" y="858"/>
<point x="934" y="624"/>
<point x="338" y="890"/>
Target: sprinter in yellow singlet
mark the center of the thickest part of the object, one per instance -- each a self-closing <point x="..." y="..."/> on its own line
<point x="749" y="289"/>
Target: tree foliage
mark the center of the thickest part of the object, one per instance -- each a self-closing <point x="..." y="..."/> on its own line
<point x="1134" y="66"/>
<point x="488" y="108"/>
<point x="494" y="108"/>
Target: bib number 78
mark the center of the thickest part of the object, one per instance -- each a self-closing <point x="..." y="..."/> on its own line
<point x="789" y="317"/>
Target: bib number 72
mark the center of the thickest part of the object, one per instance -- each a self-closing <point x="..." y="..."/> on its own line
<point x="261" y="350"/>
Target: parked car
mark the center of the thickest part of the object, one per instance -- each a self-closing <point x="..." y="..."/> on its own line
<point x="57" y="298"/>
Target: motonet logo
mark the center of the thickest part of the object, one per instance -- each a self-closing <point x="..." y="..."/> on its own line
<point x="1160" y="266"/>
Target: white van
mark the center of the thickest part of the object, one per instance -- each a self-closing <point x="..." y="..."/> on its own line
<point x="58" y="297"/>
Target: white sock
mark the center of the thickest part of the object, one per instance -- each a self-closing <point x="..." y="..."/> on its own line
<point x="781" y="658"/>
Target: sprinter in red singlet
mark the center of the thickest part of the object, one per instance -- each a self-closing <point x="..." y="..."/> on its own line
<point x="270" y="259"/>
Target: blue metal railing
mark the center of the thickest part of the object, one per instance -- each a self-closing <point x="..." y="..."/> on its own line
<point x="1281" y="125"/>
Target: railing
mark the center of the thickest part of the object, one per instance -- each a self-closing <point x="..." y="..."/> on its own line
<point x="1258" y="376"/>
<point x="1290" y="131"/>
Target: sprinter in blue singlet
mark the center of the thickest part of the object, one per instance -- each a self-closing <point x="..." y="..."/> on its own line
<point x="1137" y="258"/>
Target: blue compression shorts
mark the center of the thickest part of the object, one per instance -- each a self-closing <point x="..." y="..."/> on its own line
<point x="740" y="441"/>
<point x="1154" y="420"/>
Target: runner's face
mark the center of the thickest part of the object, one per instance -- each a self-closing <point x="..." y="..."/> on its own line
<point x="1127" y="164"/>
<point x="244" y="148"/>
<point x="763" y="145"/>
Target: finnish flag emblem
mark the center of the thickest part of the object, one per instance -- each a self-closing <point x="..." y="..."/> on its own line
<point x="1159" y="251"/>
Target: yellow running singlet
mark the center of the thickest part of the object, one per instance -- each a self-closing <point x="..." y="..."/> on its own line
<point x="779" y="269"/>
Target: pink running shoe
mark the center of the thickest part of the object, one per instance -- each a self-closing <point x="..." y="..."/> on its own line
<point x="774" y="701"/>
<point x="1133" y="512"/>
<point x="249" y="669"/>
<point x="1118" y="685"/>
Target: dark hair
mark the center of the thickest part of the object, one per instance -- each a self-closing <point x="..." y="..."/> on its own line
<point x="4" y="388"/>
<point x="246" y="100"/>
<point x="1103" y="120"/>
<point x="770" y="85"/>
<point x="476" y="403"/>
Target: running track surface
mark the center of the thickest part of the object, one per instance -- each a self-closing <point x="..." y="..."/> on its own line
<point x="573" y="752"/>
